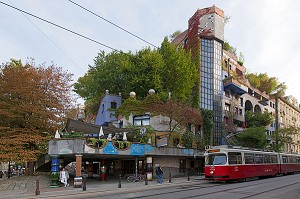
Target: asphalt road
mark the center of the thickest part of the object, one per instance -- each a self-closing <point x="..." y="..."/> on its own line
<point x="283" y="187"/>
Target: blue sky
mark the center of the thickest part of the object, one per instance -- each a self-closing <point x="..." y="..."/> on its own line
<point x="265" y="31"/>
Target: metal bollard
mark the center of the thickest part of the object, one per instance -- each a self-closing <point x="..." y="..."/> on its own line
<point x="37" y="188"/>
<point x="84" y="183"/>
<point x="146" y="180"/>
<point x="170" y="177"/>
<point x="119" y="185"/>
<point x="188" y="175"/>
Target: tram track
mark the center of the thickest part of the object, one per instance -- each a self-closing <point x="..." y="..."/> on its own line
<point x="269" y="190"/>
<point x="187" y="188"/>
<point x="248" y="196"/>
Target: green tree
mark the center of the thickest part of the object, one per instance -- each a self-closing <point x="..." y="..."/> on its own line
<point x="229" y="48"/>
<point x="174" y="35"/>
<point x="255" y="134"/>
<point x="179" y="74"/>
<point x="265" y="83"/>
<point x="282" y="136"/>
<point x="164" y="70"/>
<point x="206" y="138"/>
<point x="257" y="119"/>
<point x="241" y="60"/>
<point x="254" y="137"/>
<point x="187" y="139"/>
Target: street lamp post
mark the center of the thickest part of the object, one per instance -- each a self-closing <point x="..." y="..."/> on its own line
<point x="8" y="170"/>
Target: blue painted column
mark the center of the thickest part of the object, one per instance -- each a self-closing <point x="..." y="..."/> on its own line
<point x="54" y="172"/>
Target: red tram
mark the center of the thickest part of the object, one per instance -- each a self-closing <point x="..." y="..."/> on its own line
<point x="225" y="163"/>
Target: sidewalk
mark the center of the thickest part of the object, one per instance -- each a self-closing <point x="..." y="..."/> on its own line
<point x="25" y="187"/>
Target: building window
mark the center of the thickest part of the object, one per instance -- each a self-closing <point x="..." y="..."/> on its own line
<point x="241" y="111"/>
<point x="141" y="120"/>
<point x="185" y="41"/>
<point x="113" y="105"/>
<point x="242" y="102"/>
<point x="227" y="107"/>
<point x="189" y="127"/>
<point x="226" y="120"/>
<point x="182" y="166"/>
<point x="227" y="94"/>
<point x="236" y="110"/>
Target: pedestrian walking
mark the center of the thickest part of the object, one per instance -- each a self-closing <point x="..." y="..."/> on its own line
<point x="159" y="173"/>
<point x="64" y="176"/>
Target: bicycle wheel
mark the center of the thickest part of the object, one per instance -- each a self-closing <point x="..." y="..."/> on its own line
<point x="131" y="179"/>
<point x="141" y="177"/>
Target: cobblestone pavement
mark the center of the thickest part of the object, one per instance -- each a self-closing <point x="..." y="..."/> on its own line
<point x="25" y="186"/>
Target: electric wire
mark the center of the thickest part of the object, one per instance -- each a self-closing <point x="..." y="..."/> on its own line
<point x="49" y="39"/>
<point x="113" y="23"/>
<point x="66" y="29"/>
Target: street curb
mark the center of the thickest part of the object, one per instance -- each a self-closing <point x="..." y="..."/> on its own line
<point x="80" y="193"/>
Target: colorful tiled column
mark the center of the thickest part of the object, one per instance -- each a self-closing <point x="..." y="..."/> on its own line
<point x="54" y="171"/>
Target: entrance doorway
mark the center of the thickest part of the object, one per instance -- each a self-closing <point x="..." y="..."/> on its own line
<point x="129" y="167"/>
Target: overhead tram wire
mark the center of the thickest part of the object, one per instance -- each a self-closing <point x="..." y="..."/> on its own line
<point x="66" y="29"/>
<point x="113" y="24"/>
<point x="49" y="39"/>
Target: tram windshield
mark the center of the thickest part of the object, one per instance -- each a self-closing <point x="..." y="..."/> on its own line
<point x="216" y="159"/>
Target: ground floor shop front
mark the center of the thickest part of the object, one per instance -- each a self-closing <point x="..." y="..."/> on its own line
<point x="113" y="167"/>
<point x="109" y="161"/>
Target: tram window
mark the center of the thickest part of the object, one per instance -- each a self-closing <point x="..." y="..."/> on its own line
<point x="234" y="158"/>
<point x="267" y="158"/>
<point x="249" y="158"/>
<point x="298" y="159"/>
<point x="292" y="159"/>
<point x="259" y="158"/>
<point x="216" y="159"/>
<point x="284" y="159"/>
<point x="274" y="158"/>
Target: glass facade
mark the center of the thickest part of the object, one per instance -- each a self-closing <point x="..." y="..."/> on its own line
<point x="211" y="83"/>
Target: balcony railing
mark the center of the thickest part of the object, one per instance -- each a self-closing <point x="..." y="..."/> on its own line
<point x="235" y="86"/>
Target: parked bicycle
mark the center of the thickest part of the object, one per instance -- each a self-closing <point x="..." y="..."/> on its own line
<point x="136" y="178"/>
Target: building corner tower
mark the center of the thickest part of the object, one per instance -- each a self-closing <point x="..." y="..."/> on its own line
<point x="205" y="38"/>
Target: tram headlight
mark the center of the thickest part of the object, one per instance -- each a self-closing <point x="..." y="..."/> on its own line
<point x="212" y="172"/>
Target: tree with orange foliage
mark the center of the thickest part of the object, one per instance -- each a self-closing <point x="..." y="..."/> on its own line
<point x="33" y="104"/>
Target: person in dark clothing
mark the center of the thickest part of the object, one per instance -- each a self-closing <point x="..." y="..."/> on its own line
<point x="159" y="173"/>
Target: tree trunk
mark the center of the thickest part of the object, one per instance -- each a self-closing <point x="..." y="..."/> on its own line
<point x="30" y="168"/>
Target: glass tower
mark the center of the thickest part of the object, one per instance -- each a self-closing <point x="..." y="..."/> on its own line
<point x="205" y="39"/>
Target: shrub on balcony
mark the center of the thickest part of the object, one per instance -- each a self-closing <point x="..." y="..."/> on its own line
<point x="97" y="143"/>
<point x="121" y="144"/>
<point x="72" y="135"/>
